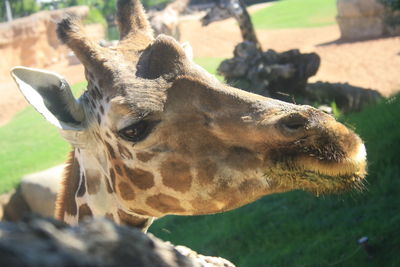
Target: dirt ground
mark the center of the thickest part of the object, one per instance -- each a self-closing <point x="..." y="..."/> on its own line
<point x="371" y="64"/>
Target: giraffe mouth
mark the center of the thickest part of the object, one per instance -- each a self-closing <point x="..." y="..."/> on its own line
<point x="313" y="181"/>
<point x="353" y="165"/>
<point x="319" y="176"/>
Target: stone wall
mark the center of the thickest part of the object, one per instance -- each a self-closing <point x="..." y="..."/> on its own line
<point x="32" y="40"/>
<point x="365" y="19"/>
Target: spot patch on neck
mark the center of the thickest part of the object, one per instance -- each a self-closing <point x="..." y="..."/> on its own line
<point x="206" y="171"/>
<point x="144" y="156"/>
<point x="93" y="181"/>
<point x="176" y="174"/>
<point x="164" y="203"/>
<point x="140" y="178"/>
<point x="125" y="190"/>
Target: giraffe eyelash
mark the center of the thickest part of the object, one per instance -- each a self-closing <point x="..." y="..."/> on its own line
<point x="138" y="131"/>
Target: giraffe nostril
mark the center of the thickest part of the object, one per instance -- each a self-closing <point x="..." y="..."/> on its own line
<point x="293" y="123"/>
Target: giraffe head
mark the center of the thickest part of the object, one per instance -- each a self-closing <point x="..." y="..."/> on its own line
<point x="162" y="136"/>
<point x="222" y="10"/>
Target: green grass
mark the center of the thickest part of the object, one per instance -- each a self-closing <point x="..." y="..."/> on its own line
<point x="298" y="229"/>
<point x="29" y="143"/>
<point x="210" y="64"/>
<point x="296" y="14"/>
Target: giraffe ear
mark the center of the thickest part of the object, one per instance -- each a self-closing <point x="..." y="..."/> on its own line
<point x="164" y="57"/>
<point x="51" y="96"/>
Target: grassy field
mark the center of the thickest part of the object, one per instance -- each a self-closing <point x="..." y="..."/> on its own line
<point x="296" y="14"/>
<point x="298" y="229"/>
<point x="210" y="64"/>
<point x="29" y="143"/>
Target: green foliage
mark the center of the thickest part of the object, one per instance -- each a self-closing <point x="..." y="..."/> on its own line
<point x="296" y="14"/>
<point x="106" y="8"/>
<point x="99" y="10"/>
<point x="210" y="64"/>
<point x="112" y="32"/>
<point x="19" y="8"/>
<point x="395" y="4"/>
<point x="29" y="143"/>
<point x="298" y="229"/>
<point x="150" y="3"/>
<point x="109" y="8"/>
<point x="95" y="16"/>
<point x="335" y="110"/>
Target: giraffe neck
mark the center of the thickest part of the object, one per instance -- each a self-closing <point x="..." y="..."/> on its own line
<point x="88" y="192"/>
<point x="246" y="26"/>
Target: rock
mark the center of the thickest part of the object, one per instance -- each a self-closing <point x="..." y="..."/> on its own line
<point x="40" y="190"/>
<point x="284" y="76"/>
<point x="4" y="199"/>
<point x="246" y="50"/>
<point x="392" y="22"/>
<point x="15" y="207"/>
<point x="40" y="242"/>
<point x="360" y="28"/>
<point x="348" y="98"/>
<point x="364" y="19"/>
<point x="204" y="260"/>
<point x="269" y="73"/>
<point x="359" y="8"/>
<point x="234" y="68"/>
<point x="32" y="40"/>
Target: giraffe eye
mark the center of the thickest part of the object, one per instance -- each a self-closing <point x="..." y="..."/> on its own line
<point x="138" y="131"/>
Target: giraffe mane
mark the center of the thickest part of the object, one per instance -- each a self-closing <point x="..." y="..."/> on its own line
<point x="65" y="189"/>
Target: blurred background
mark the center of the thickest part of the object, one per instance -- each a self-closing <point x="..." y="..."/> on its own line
<point x="342" y="56"/>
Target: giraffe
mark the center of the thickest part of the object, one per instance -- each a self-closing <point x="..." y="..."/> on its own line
<point x="237" y="9"/>
<point x="155" y="134"/>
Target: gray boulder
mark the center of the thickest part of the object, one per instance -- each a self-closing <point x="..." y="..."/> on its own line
<point x="13" y="205"/>
<point x="365" y="19"/>
<point x="40" y="190"/>
<point x="348" y="98"/>
<point x="48" y="243"/>
<point x="269" y="73"/>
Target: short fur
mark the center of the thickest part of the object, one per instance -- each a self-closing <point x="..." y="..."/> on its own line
<point x="159" y="135"/>
<point x="67" y="189"/>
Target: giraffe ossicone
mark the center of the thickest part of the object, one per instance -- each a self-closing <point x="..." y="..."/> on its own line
<point x="155" y="134"/>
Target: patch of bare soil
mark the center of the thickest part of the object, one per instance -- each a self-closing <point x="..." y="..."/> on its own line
<point x="372" y="64"/>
